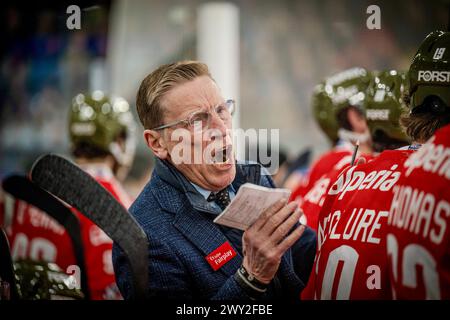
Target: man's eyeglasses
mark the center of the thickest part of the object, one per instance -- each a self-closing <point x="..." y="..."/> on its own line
<point x="201" y="120"/>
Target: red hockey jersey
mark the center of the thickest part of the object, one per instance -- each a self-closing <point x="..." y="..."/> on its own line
<point x="312" y="191"/>
<point x="351" y="260"/>
<point x="418" y="226"/>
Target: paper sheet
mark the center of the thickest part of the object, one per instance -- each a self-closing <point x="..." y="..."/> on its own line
<point x="250" y="202"/>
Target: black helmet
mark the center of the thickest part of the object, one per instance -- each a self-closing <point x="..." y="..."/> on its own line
<point x="429" y="74"/>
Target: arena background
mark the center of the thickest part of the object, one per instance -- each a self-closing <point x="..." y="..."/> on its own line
<point x="286" y="47"/>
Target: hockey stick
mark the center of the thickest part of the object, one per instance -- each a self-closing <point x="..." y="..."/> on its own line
<point x="24" y="189"/>
<point x="68" y="182"/>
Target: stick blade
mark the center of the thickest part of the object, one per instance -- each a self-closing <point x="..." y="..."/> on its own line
<point x="72" y="185"/>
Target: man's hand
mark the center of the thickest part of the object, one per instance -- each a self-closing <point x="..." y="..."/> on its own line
<point x="265" y="242"/>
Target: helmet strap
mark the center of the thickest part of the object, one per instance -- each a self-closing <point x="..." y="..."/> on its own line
<point x="351" y="136"/>
<point x="123" y="157"/>
<point x="117" y="153"/>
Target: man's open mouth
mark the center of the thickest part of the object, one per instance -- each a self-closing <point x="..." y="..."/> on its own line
<point x="222" y="155"/>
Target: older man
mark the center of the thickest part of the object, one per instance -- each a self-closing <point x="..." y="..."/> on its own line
<point x="191" y="257"/>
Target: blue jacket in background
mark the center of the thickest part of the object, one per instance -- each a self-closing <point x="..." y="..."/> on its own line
<point x="179" y="224"/>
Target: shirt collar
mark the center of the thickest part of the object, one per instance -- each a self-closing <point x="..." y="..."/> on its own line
<point x="205" y="193"/>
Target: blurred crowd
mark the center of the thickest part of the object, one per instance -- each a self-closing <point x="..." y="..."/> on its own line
<point x="286" y="48"/>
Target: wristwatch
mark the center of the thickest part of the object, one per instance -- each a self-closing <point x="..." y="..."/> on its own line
<point x="252" y="286"/>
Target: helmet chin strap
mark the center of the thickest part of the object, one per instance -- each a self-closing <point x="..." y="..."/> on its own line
<point x="351" y="136"/>
<point x="123" y="157"/>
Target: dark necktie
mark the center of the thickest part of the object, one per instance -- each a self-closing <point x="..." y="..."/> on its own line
<point x="222" y="198"/>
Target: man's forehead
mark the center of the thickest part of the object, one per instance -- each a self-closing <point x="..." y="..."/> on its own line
<point x="200" y="92"/>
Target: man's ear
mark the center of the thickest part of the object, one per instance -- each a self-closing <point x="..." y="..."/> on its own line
<point x="155" y="141"/>
<point x="357" y="121"/>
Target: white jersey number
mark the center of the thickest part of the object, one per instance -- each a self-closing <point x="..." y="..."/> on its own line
<point x="34" y="249"/>
<point x="413" y="255"/>
<point x="349" y="257"/>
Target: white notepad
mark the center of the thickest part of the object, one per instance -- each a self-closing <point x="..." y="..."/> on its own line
<point x="250" y="202"/>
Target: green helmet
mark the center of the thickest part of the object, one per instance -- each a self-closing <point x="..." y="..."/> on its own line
<point x="346" y="88"/>
<point x="384" y="106"/>
<point x="429" y="74"/>
<point x="98" y="121"/>
<point x="37" y="280"/>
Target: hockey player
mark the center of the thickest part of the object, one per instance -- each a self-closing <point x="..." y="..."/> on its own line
<point x="351" y="261"/>
<point x="418" y="234"/>
<point x="338" y="106"/>
<point x="102" y="140"/>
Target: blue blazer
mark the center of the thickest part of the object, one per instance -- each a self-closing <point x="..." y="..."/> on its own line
<point x="179" y="225"/>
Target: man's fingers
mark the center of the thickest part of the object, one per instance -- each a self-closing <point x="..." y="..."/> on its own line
<point x="268" y="213"/>
<point x="273" y="222"/>
<point x="282" y="230"/>
<point x="291" y="239"/>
